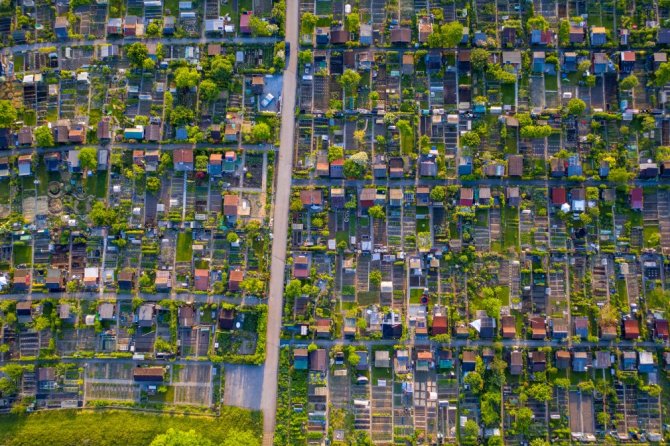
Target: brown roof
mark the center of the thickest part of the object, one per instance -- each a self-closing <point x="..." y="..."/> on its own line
<point x="183" y="156"/>
<point x="508" y="326"/>
<point x="401" y="35"/>
<point x="631" y="329"/>
<point x="230" y="204"/>
<point x="515" y="165"/>
<point x="339" y="36"/>
<point x="311" y="197"/>
<point x="236" y="275"/>
<point x="148" y="373"/>
<point x="213" y="49"/>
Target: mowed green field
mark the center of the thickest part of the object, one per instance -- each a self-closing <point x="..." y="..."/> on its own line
<point x="112" y="427"/>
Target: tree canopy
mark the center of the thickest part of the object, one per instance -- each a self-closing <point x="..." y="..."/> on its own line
<point x="349" y="81"/>
<point x="186" y="77"/>
<point x="352" y="22"/>
<point x="88" y="158"/>
<point x="629" y="82"/>
<point x="576" y="107"/>
<point x="180" y="438"/>
<point x="220" y="69"/>
<point x="377" y="211"/>
<point x="44" y="137"/>
<point x="308" y="22"/>
<point x="261" y="132"/>
<point x="447" y="35"/>
<point x="136" y="53"/>
<point x="470" y="139"/>
<point x="8" y="114"/>
<point x="209" y="91"/>
<point x="662" y="74"/>
<point x="479" y="58"/>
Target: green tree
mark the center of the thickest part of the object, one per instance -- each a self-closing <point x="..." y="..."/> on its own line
<point x="352" y="169"/>
<point x="186" y="77"/>
<point x="620" y="175"/>
<point x="541" y="392"/>
<point x="221" y="69"/>
<point x="335" y="153"/>
<point x="536" y="131"/>
<point x="148" y="64"/>
<point x="232" y="237"/>
<point x="201" y="163"/>
<point x="584" y="66"/>
<point x="181" y="115"/>
<point x="523" y="419"/>
<point x="349" y="81"/>
<point x="648" y="123"/>
<point x="446" y="36"/>
<point x="8" y="114"/>
<point x="438" y="194"/>
<point x="209" y="91"/>
<point x="471" y="140"/>
<point x="352" y="22"/>
<point x="241" y="438"/>
<point x="576" y="107"/>
<point x="259" y="27"/>
<point x="479" y="59"/>
<point x="490" y="408"/>
<point x="375" y="276"/>
<point x="44" y="137"/>
<point x="175" y="437"/>
<point x="662" y="74"/>
<point x="253" y="286"/>
<point x="475" y="381"/>
<point x="88" y="159"/>
<point x="261" y="132"/>
<point x="629" y="82"/>
<point x="293" y="289"/>
<point x="538" y="442"/>
<point x="136" y="53"/>
<point x="492" y="306"/>
<point x="495" y="440"/>
<point x="471" y="430"/>
<point x="308" y="23"/>
<point x="101" y="215"/>
<point x="305" y="57"/>
<point x="154" y="28"/>
<point x="377" y="212"/>
<point x="538" y="22"/>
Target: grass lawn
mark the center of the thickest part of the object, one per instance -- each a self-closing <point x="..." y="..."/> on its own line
<point x="550" y="82"/>
<point x="511" y="225"/>
<point x="97" y="185"/>
<point x="184" y="247"/>
<point x="342" y="236"/>
<point x="366" y="298"/>
<point x="647" y="232"/>
<point x="504" y="295"/>
<point x="507" y="94"/>
<point x="415" y="295"/>
<point x="23" y="254"/>
<point x="4" y="191"/>
<point x="422" y="225"/>
<point x="173" y="6"/>
<point x="245" y="5"/>
<point x="482" y="218"/>
<point x="107" y="428"/>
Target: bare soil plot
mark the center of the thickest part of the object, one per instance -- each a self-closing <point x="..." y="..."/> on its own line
<point x="582" y="420"/>
<point x="192" y="384"/>
<point x="242" y="389"/>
